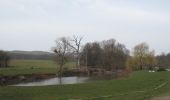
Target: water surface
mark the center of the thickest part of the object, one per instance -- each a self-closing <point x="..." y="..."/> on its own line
<point x="56" y="81"/>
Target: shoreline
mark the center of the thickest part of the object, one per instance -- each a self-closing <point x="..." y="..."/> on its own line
<point x="15" y="79"/>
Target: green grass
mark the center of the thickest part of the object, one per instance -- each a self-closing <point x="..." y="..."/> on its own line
<point x="140" y="86"/>
<point x="32" y="66"/>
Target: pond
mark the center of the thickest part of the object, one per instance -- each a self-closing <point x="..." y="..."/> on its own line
<point x="60" y="81"/>
<point x="56" y="81"/>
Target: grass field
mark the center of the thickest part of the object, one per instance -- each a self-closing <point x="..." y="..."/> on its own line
<point x="31" y="66"/>
<point x="140" y="85"/>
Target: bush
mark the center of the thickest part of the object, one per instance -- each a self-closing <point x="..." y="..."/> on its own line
<point x="69" y="72"/>
<point x="161" y="69"/>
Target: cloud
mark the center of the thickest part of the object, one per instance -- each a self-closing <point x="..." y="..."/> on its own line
<point x="128" y="12"/>
<point x="120" y="19"/>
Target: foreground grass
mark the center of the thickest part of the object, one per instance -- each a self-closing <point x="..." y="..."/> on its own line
<point x="31" y="66"/>
<point x="140" y="86"/>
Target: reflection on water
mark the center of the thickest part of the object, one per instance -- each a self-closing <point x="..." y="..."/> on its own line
<point x="56" y="81"/>
<point x="64" y="80"/>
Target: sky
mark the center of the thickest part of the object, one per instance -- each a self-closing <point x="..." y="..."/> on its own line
<point x="36" y="24"/>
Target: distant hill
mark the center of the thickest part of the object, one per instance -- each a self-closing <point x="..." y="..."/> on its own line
<point x="41" y="55"/>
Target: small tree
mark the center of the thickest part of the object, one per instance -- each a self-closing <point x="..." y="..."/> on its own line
<point x="4" y="59"/>
<point x="60" y="50"/>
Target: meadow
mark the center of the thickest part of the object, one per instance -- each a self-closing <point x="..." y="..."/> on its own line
<point x="32" y="66"/>
<point x="141" y="85"/>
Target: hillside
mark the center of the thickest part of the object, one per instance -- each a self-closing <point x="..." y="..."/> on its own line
<point x="16" y="54"/>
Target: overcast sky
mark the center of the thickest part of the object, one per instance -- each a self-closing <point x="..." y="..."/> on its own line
<point x="36" y="24"/>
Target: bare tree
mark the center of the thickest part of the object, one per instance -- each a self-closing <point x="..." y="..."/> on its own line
<point x="60" y="50"/>
<point x="114" y="54"/>
<point x="92" y="55"/>
<point x="76" y="45"/>
<point x="108" y="54"/>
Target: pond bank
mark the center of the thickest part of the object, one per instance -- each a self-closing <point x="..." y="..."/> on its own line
<point x="20" y="78"/>
<point x="9" y="80"/>
<point x="35" y="77"/>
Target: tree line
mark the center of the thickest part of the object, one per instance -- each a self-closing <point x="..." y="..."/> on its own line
<point x="163" y="60"/>
<point x="33" y="55"/>
<point x="108" y="54"/>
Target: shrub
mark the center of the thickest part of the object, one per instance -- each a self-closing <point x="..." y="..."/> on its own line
<point x="161" y="69"/>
